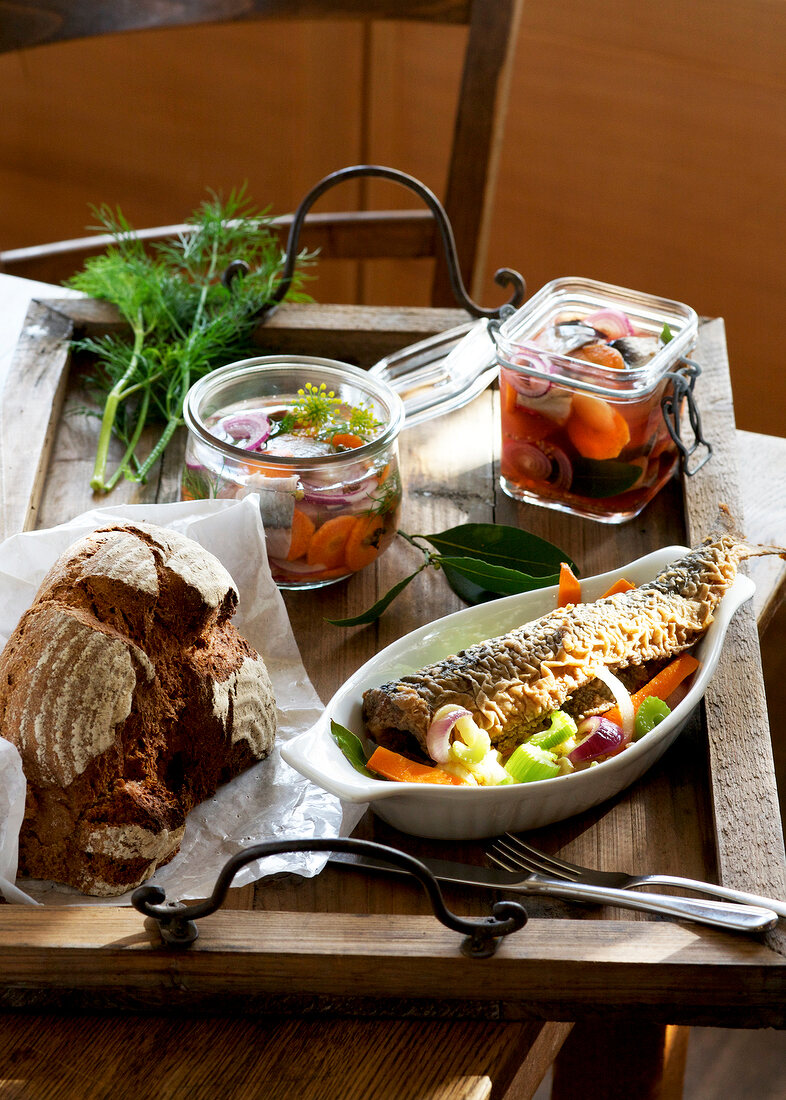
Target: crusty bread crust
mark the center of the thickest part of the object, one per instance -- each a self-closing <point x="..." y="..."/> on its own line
<point x="131" y="698"/>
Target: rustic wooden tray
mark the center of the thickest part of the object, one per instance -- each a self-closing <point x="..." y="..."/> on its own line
<point x="343" y="941"/>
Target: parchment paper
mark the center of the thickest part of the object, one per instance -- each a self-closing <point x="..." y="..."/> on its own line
<point x="268" y="802"/>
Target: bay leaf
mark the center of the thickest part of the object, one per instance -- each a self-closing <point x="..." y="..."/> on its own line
<point x="499" y="544"/>
<point x="601" y="478"/>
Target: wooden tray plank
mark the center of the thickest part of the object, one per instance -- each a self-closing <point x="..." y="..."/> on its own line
<point x="665" y="968"/>
<point x="354" y="334"/>
<point x="30" y="406"/>
<point x="748" y="832"/>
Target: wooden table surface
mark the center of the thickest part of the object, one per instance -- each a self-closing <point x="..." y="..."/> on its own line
<point x="326" y="1007"/>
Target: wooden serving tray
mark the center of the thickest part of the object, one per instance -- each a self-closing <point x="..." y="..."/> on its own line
<point x="350" y="943"/>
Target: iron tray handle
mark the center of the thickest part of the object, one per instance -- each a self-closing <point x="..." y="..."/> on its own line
<point x="178" y="929"/>
<point x="504" y="276"/>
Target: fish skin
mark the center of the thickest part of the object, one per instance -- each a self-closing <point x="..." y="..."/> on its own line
<point x="511" y="682"/>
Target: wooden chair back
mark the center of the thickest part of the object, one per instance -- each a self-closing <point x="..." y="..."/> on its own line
<point x="475" y="148"/>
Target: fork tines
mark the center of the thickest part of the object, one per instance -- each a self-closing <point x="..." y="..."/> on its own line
<point x="513" y="854"/>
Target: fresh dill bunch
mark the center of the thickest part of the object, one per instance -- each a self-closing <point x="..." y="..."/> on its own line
<point x="184" y="321"/>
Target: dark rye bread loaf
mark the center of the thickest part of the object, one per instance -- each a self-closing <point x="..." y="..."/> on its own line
<point x="131" y="698"/>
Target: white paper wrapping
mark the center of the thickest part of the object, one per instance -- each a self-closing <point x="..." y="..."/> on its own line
<point x="268" y="802"/>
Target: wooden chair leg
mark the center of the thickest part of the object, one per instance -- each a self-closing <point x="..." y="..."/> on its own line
<point x="620" y="1061"/>
<point x="536" y="1064"/>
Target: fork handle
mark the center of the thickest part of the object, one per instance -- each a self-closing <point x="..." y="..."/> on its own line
<point x="719" y="914"/>
<point x="727" y="892"/>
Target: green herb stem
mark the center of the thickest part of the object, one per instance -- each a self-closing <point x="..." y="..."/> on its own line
<point x="132" y="444"/>
<point x="183" y="322"/>
<point x="98" y="481"/>
<point x="158" y="450"/>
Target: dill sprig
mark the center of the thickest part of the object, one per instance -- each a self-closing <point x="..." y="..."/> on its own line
<point x="318" y="410"/>
<point x="315" y="406"/>
<point x="184" y="322"/>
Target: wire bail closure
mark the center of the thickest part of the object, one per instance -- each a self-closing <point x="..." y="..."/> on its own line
<point x="176" y="921"/>
<point x="683" y="380"/>
<point x="504" y="276"/>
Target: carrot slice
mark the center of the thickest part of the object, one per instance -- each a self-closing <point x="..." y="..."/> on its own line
<point x="328" y="542"/>
<point x="595" y="428"/>
<point x="601" y="354"/>
<point x="347" y="439"/>
<point x="569" y="590"/>
<point x="395" y="766"/>
<point x="264" y="470"/>
<point x="619" y="586"/>
<point x="363" y="542"/>
<point x="662" y="685"/>
<point x="302" y="530"/>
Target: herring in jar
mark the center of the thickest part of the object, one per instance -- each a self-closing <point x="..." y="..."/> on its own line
<point x="317" y="440"/>
<point x="585" y="368"/>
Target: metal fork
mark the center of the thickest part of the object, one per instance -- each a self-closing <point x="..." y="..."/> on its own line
<point x="511" y="853"/>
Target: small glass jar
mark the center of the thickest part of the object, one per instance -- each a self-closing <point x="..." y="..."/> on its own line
<point x="326" y="515"/>
<point x="585" y="369"/>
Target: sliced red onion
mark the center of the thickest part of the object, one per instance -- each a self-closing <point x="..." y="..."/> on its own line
<point x="529" y="460"/>
<point x="350" y="494"/>
<point x="602" y="738"/>
<point x="438" y="735"/>
<point x="542" y="461"/>
<point x="621" y="697"/>
<point x="252" y="427"/>
<point x="524" y="383"/>
<point x="562" y="467"/>
<point x="613" y="323"/>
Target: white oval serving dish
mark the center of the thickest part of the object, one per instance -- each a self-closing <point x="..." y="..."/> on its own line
<point x="453" y="813"/>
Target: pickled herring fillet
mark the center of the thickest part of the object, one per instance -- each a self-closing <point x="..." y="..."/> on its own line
<point x="510" y="683"/>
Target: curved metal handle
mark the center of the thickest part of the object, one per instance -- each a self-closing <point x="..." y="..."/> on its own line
<point x="503" y="277"/>
<point x="683" y="380"/>
<point x="176" y="920"/>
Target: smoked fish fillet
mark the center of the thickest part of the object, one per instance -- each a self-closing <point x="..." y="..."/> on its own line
<point x="511" y="683"/>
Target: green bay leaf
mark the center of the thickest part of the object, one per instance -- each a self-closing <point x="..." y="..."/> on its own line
<point x="498" y="579"/>
<point x="352" y="748"/>
<point x="374" y="612"/>
<point x="599" y="479"/>
<point x="499" y="544"/>
<point x="466" y="589"/>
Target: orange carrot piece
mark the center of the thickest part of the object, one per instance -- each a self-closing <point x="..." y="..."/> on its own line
<point x="363" y="542"/>
<point x="347" y="439"/>
<point x="601" y="354"/>
<point x="302" y="530"/>
<point x="328" y="542"/>
<point x="569" y="590"/>
<point x="619" y="586"/>
<point x="662" y="685"/>
<point x="595" y="428"/>
<point x="395" y="766"/>
<point x="263" y="469"/>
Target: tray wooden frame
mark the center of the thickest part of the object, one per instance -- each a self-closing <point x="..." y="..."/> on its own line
<point x="562" y="966"/>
